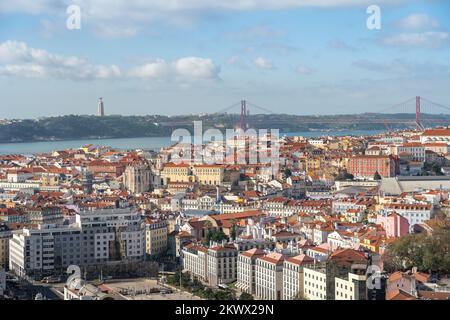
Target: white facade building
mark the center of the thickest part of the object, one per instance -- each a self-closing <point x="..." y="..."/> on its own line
<point x="315" y="284"/>
<point x="222" y="264"/>
<point x="96" y="237"/>
<point x="41" y="251"/>
<point x="246" y="266"/>
<point x="269" y="276"/>
<point x="415" y="213"/>
<point x="348" y="289"/>
<point x="195" y="261"/>
<point x="293" y="276"/>
<point x="112" y="235"/>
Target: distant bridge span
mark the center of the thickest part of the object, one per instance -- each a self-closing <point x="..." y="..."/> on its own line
<point x="421" y="107"/>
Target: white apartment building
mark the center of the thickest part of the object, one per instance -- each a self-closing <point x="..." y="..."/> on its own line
<point x="279" y="207"/>
<point x="45" y="215"/>
<point x="315" y="284"/>
<point x="246" y="266"/>
<point x="269" y="276"/>
<point x="112" y="235"/>
<point x="339" y="185"/>
<point x="206" y="202"/>
<point x="189" y="203"/>
<point x="41" y="251"/>
<point x="215" y="265"/>
<point x="415" y="213"/>
<point x="222" y="264"/>
<point x="234" y="207"/>
<point x="318" y="253"/>
<point x="341" y="240"/>
<point x="19" y="176"/>
<point x="349" y="289"/>
<point x="293" y="276"/>
<point x="435" y="135"/>
<point x="415" y="149"/>
<point x="343" y="205"/>
<point x="195" y="261"/>
<point x="316" y="142"/>
<point x="96" y="237"/>
<point x="320" y="233"/>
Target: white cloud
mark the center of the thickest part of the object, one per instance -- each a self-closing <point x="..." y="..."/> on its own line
<point x="429" y="39"/>
<point x="17" y="59"/>
<point x="115" y="31"/>
<point x="404" y="67"/>
<point x="340" y="45"/>
<point x="136" y="14"/>
<point x="263" y="63"/>
<point x="260" y="31"/>
<point x="420" y="31"/>
<point x="33" y="7"/>
<point x="304" y="70"/>
<point x="235" y="59"/>
<point x="155" y="70"/>
<point x="418" y="21"/>
<point x="195" y="67"/>
<point x="183" y="69"/>
<point x="134" y="6"/>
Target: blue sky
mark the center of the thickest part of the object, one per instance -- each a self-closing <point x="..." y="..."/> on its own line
<point x="192" y="56"/>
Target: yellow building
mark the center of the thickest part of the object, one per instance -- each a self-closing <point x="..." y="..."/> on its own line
<point x="5" y="235"/>
<point x="209" y="174"/>
<point x="155" y="237"/>
<point x="313" y="163"/>
<point x="177" y="173"/>
<point x="49" y="180"/>
<point x="371" y="242"/>
<point x="204" y="174"/>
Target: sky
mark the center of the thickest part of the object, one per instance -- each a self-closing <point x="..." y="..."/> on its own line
<point x="172" y="57"/>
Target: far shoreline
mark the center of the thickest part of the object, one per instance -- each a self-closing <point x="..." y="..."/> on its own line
<point x="290" y="133"/>
<point x="145" y="143"/>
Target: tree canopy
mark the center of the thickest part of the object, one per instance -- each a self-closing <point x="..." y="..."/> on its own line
<point x="429" y="253"/>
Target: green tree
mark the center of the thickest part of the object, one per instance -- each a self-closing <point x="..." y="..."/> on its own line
<point x="344" y="175"/>
<point x="197" y="285"/>
<point x="208" y="294"/>
<point x="436" y="169"/>
<point x="224" y="295"/>
<point x="245" y="296"/>
<point x="217" y="236"/>
<point x="427" y="253"/>
<point x="287" y="173"/>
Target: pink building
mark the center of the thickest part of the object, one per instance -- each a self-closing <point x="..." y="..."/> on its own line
<point x="394" y="224"/>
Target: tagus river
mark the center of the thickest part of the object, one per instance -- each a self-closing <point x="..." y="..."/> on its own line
<point x="154" y="143"/>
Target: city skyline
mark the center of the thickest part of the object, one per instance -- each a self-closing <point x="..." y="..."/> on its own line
<point x="296" y="57"/>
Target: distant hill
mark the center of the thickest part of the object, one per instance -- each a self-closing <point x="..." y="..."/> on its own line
<point x="116" y="126"/>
